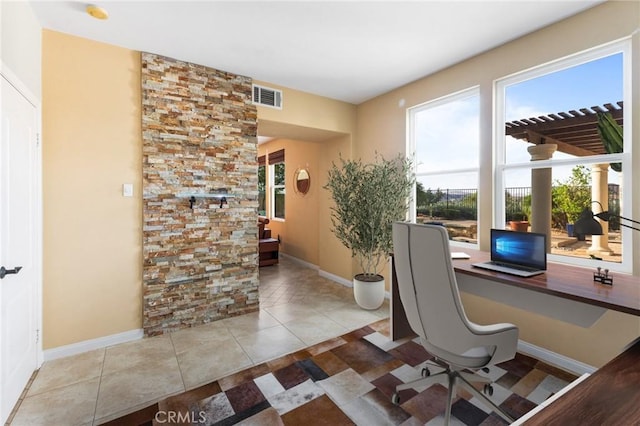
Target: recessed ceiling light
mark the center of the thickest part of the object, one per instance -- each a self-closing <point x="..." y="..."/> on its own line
<point x="97" y="12"/>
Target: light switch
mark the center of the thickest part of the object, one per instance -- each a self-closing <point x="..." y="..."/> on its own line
<point x="127" y="190"/>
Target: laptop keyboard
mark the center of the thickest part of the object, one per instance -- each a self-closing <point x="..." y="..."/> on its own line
<point x="512" y="266"/>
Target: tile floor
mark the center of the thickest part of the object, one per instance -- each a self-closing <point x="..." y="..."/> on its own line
<point x="298" y="308"/>
<point x="349" y="380"/>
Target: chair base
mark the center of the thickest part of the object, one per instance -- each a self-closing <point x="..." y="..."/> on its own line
<point x="454" y="378"/>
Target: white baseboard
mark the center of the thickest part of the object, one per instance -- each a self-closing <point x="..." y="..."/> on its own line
<point x="92" y="344"/>
<point x="300" y="261"/>
<point x="322" y="273"/>
<point x="553" y="358"/>
<point x="326" y="274"/>
<point x="335" y="278"/>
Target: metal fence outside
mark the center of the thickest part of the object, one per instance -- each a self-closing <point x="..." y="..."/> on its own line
<point x="454" y="203"/>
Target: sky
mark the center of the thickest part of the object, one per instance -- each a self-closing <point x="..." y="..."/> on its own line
<point x="452" y="128"/>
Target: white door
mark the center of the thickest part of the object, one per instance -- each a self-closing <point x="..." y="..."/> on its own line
<point x="19" y="230"/>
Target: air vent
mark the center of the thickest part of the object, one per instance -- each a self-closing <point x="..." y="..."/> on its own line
<point x="267" y="96"/>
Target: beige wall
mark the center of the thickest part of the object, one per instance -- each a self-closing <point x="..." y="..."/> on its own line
<point x="299" y="231"/>
<point x="594" y="346"/>
<point x="91" y="146"/>
<point x="305" y="232"/>
<point x="334" y="258"/>
<point x="381" y="126"/>
<point x="310" y="111"/>
<point x="331" y="126"/>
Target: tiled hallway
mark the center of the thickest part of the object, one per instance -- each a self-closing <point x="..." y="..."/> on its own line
<point x="298" y="308"/>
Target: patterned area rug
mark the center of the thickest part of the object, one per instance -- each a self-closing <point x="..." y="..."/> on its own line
<point x="349" y="380"/>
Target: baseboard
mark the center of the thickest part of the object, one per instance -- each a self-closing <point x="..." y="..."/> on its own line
<point x="327" y="275"/>
<point x="335" y="278"/>
<point x="566" y="363"/>
<point x="300" y="261"/>
<point x="92" y="344"/>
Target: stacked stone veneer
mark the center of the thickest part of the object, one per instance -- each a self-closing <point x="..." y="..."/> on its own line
<point x="199" y="136"/>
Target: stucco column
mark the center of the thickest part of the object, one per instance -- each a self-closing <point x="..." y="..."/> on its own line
<point x="600" y="193"/>
<point x="541" y="191"/>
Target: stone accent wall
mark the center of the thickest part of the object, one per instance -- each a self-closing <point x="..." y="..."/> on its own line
<point x="199" y="136"/>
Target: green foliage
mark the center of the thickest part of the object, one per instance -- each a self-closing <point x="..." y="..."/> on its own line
<point x="278" y="174"/>
<point x="526" y="207"/>
<point x="611" y="135"/>
<point x="262" y="187"/>
<point x="571" y="197"/>
<point x="432" y="197"/>
<point x="427" y="201"/>
<point x="262" y="179"/>
<point x="421" y="195"/>
<point x="368" y="198"/>
<point x="453" y="212"/>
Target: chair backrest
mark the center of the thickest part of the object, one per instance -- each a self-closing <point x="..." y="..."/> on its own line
<point x="262" y="222"/>
<point x="428" y="288"/>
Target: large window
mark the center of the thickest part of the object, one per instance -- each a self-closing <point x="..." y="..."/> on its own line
<point x="556" y="141"/>
<point x="277" y="184"/>
<point x="444" y="137"/>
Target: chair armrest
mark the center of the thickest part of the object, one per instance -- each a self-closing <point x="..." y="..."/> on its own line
<point x="503" y="337"/>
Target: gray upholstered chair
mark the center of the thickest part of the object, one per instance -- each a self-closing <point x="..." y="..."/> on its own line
<point x="429" y="293"/>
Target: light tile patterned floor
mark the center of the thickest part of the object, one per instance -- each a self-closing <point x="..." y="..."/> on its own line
<point x="298" y="308"/>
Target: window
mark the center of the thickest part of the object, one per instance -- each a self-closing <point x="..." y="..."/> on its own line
<point x="445" y="138"/>
<point x="551" y="160"/>
<point x="262" y="186"/>
<point x="277" y="184"/>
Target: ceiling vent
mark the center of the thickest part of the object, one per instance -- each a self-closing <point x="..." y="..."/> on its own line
<point x="267" y="97"/>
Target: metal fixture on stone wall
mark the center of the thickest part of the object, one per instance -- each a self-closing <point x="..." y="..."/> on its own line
<point x="221" y="196"/>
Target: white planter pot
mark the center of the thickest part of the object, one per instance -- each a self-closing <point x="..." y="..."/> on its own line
<point x="369" y="295"/>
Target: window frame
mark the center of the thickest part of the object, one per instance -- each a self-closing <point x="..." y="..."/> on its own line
<point x="473" y="91"/>
<point x="275" y="158"/>
<point x="500" y="166"/>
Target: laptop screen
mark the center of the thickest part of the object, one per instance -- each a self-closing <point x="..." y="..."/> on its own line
<point x="520" y="248"/>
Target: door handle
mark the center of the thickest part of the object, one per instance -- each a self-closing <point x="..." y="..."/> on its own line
<point x="4" y="271"/>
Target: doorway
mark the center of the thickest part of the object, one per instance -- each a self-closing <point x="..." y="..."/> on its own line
<point x="20" y="236"/>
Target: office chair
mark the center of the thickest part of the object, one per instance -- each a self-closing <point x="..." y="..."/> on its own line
<point x="429" y="293"/>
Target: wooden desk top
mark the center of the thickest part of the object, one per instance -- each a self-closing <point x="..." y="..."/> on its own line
<point x="608" y="397"/>
<point x="569" y="282"/>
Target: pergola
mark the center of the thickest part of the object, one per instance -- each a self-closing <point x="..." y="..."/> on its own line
<point x="574" y="133"/>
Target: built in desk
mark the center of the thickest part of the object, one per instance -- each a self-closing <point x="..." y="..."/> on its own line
<point x="560" y="280"/>
<point x="611" y="395"/>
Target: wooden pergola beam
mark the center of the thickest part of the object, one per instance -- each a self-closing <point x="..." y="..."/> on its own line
<point x="537" y="138"/>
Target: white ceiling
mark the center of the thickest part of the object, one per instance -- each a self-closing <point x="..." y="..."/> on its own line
<point x="346" y="50"/>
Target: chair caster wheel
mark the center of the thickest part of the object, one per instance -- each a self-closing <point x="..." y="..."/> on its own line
<point x="395" y="399"/>
<point x="486" y="370"/>
<point x="488" y="390"/>
<point x="426" y="372"/>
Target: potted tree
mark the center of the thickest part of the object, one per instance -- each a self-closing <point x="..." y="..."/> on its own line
<point x="368" y="198"/>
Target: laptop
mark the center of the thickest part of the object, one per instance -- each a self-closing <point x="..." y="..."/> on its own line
<point x="518" y="253"/>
